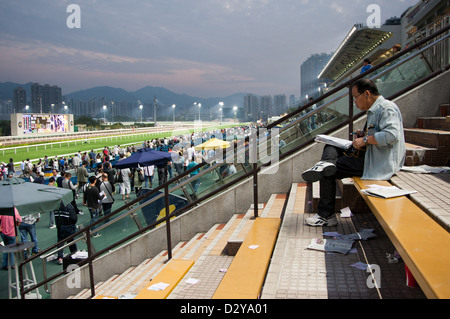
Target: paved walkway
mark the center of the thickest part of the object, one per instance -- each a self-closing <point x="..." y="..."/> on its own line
<point x="299" y="273"/>
<point x="432" y="193"/>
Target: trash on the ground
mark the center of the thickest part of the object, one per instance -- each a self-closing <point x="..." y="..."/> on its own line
<point x="346" y="212"/>
<point x="360" y="265"/>
<point x="80" y="255"/>
<point x="128" y="296"/>
<point x="391" y="258"/>
<point x="159" y="286"/>
<point x="332" y="234"/>
<point x="330" y="245"/>
<point x="363" y="234"/>
<point x="192" y="281"/>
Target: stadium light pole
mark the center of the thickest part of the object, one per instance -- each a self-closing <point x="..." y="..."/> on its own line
<point x="141" y="107"/>
<point x="154" y="109"/>
<point x="173" y="109"/>
<point x="221" y="111"/>
<point x="199" y="108"/>
<point x="104" y="113"/>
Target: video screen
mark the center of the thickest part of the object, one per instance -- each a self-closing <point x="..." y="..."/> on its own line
<point x="38" y="123"/>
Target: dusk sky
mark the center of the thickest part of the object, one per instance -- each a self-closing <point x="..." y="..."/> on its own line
<point x="203" y="48"/>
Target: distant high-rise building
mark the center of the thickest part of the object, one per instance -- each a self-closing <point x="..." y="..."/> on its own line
<point x="309" y="72"/>
<point x="45" y="98"/>
<point x="251" y="107"/>
<point x="292" y="101"/>
<point x="279" y="104"/>
<point x="20" y="99"/>
<point x="266" y="107"/>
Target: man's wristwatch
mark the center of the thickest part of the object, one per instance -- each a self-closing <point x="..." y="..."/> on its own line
<point x="365" y="139"/>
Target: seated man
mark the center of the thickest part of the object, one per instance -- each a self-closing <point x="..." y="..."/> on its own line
<point x="378" y="151"/>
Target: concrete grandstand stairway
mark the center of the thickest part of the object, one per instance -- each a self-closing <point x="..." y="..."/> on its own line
<point x="428" y="143"/>
<point x="299" y="273"/>
<point x="212" y="252"/>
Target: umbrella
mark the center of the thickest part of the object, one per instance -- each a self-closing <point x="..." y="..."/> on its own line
<point x="30" y="198"/>
<point x="144" y="157"/>
<point x="213" y="144"/>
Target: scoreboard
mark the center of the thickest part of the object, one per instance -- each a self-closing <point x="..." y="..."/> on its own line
<point x="41" y="124"/>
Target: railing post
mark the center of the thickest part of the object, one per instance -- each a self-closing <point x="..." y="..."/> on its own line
<point x="350" y="111"/>
<point x="255" y="190"/>
<point x="91" y="268"/>
<point x="169" y="237"/>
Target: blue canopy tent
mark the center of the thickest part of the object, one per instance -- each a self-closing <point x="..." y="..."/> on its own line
<point x="144" y="157"/>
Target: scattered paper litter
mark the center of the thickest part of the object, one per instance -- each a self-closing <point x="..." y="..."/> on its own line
<point x="360" y="265"/>
<point x="330" y="245"/>
<point x="192" y="281"/>
<point x="253" y="246"/>
<point x="346" y="212"/>
<point x="159" y="286"/>
<point x="331" y="234"/>
<point x="128" y="296"/>
<point x="363" y="234"/>
<point x="425" y="169"/>
<point x="80" y="255"/>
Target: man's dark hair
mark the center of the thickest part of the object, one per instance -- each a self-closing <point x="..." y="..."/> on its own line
<point x="92" y="179"/>
<point x="364" y="85"/>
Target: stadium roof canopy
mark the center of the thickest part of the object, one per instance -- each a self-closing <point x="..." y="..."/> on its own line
<point x="361" y="42"/>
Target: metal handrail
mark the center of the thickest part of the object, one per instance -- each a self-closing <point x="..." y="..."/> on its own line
<point x="254" y="172"/>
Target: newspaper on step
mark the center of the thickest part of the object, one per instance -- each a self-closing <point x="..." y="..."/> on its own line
<point x="335" y="141"/>
<point x="330" y="245"/>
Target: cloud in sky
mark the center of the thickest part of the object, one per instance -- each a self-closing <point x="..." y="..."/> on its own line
<point x="198" y="47"/>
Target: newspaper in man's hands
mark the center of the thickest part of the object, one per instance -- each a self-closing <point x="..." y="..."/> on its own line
<point x="335" y="141"/>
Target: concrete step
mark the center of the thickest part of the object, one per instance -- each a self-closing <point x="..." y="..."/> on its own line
<point x="426" y="146"/>
<point x="435" y="123"/>
<point x="416" y="155"/>
<point x="132" y="280"/>
<point x="444" y="109"/>
<point x="315" y="196"/>
<point x="346" y="196"/>
<point x="210" y="267"/>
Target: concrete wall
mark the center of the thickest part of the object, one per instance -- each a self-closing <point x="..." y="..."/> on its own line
<point x="423" y="101"/>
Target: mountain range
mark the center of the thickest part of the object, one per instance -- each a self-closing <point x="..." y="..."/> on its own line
<point x="144" y="95"/>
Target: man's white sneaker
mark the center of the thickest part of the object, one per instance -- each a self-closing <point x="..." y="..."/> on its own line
<point x="318" y="221"/>
<point x="316" y="172"/>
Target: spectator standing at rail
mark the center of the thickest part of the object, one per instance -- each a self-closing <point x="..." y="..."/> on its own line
<point x="91" y="199"/>
<point x="8" y="232"/>
<point x="66" y="219"/>
<point x="67" y="184"/>
<point x="82" y="177"/>
<point x="76" y="160"/>
<point x="10" y="166"/>
<point x="108" y="190"/>
<point x="28" y="227"/>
